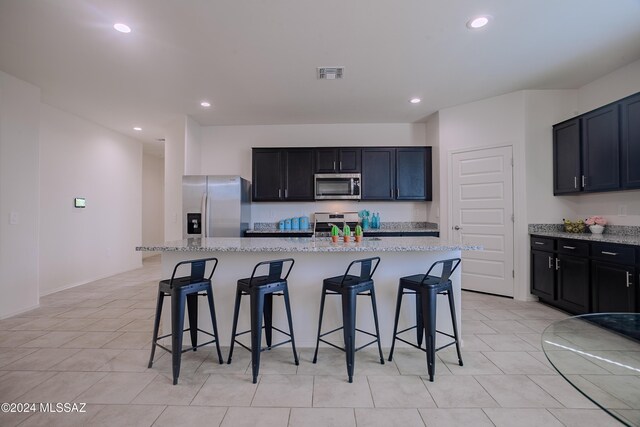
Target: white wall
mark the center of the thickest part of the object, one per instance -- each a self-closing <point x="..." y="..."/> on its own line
<point x="174" y="168"/>
<point x="544" y="108"/>
<point x="192" y="147"/>
<point x="19" y="180"/>
<point x="227" y="150"/>
<point x="609" y="88"/>
<point x="79" y="158"/>
<point x="152" y="201"/>
<point x="492" y="122"/>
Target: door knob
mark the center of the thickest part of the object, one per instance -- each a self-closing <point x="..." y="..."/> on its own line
<point x="457" y="228"/>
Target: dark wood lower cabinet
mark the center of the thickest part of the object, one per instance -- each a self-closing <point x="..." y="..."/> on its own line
<point x="573" y="283"/>
<point x="543" y="275"/>
<point x="582" y="282"/>
<point x="614" y="288"/>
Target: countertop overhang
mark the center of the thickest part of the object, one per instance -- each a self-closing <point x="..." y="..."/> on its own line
<point x="308" y="244"/>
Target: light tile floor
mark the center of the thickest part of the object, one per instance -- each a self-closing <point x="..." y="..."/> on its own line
<point x="91" y="344"/>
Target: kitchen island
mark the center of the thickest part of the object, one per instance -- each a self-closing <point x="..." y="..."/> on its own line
<point x="315" y="259"/>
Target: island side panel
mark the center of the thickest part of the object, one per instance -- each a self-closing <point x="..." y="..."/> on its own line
<point x="305" y="286"/>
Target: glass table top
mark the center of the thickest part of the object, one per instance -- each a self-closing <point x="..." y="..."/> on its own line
<point x="599" y="354"/>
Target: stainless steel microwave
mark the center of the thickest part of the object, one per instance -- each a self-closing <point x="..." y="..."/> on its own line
<point x="332" y="186"/>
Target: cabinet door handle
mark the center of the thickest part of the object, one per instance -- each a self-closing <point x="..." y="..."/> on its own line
<point x="569" y="247"/>
<point x="628" y="279"/>
<point x="584" y="179"/>
<point x="575" y="182"/>
<point x="550" y="262"/>
<point x="609" y="253"/>
<point x="557" y="264"/>
<point x="538" y="243"/>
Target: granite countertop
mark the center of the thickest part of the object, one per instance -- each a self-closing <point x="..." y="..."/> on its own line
<point x="605" y="238"/>
<point x="307" y="244"/>
<point x="371" y="230"/>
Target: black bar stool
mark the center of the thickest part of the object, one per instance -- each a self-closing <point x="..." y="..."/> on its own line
<point x="181" y="290"/>
<point x="426" y="288"/>
<point x="349" y="287"/>
<point x="261" y="290"/>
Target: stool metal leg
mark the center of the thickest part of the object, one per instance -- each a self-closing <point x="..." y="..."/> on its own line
<point x="419" y="320"/>
<point x="257" y="306"/>
<point x="268" y="318"/>
<point x="375" y="320"/>
<point x="287" y="306"/>
<point x="214" y="324"/>
<point x="395" y="323"/>
<point x="452" y="307"/>
<point x="429" y="316"/>
<point x="192" y="309"/>
<point x="349" y="329"/>
<point x="236" y="311"/>
<point x="177" y="326"/>
<point x="324" y="293"/>
<point x="156" y="326"/>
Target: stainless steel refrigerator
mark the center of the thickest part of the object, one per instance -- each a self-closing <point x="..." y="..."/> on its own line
<point x="215" y="206"/>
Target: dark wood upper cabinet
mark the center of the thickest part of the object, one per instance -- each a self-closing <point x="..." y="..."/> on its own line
<point x="349" y="160"/>
<point x="413" y="173"/>
<point x="630" y="140"/>
<point x="267" y="174"/>
<point x="282" y="174"/>
<point x="567" y="174"/>
<point x="601" y="149"/>
<point x="378" y="173"/>
<point x="326" y="160"/>
<point x="337" y="160"/>
<point x="298" y="176"/>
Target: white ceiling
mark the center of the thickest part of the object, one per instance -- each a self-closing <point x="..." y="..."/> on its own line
<point x="255" y="60"/>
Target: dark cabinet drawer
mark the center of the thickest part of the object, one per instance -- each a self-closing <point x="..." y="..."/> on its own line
<point x="573" y="247"/>
<point x="542" y="244"/>
<point x="613" y="253"/>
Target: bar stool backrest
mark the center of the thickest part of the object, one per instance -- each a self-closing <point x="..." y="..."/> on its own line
<point x="275" y="270"/>
<point x="366" y="272"/>
<point x="448" y="267"/>
<point x="198" y="268"/>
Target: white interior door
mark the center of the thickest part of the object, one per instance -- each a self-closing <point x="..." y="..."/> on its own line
<point x="482" y="214"/>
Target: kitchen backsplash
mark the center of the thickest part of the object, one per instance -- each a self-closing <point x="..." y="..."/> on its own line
<point x="396" y="211"/>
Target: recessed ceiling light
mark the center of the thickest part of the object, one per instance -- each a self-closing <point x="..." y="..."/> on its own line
<point x="138" y="128"/>
<point x="205" y="104"/>
<point x="123" y="28"/>
<point x="478" y="22"/>
<point x="415" y="100"/>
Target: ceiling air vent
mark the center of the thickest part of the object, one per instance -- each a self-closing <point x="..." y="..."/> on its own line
<point x="330" y="73"/>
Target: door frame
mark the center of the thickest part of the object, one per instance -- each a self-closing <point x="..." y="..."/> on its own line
<point x="516" y="208"/>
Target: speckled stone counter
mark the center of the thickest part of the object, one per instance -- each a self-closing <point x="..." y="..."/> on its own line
<point x="316" y="259"/>
<point x="606" y="238"/>
<point x="307" y="244"/>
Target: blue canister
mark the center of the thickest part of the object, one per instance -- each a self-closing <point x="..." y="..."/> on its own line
<point x="287" y="224"/>
<point x="304" y="223"/>
<point x="295" y="223"/>
<point x="281" y="225"/>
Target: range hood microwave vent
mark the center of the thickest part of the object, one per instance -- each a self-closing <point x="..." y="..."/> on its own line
<point x="330" y="73"/>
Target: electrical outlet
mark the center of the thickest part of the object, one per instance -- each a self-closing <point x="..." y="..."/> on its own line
<point x="14" y="218"/>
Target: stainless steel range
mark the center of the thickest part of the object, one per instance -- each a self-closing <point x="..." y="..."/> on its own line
<point x="324" y="221"/>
